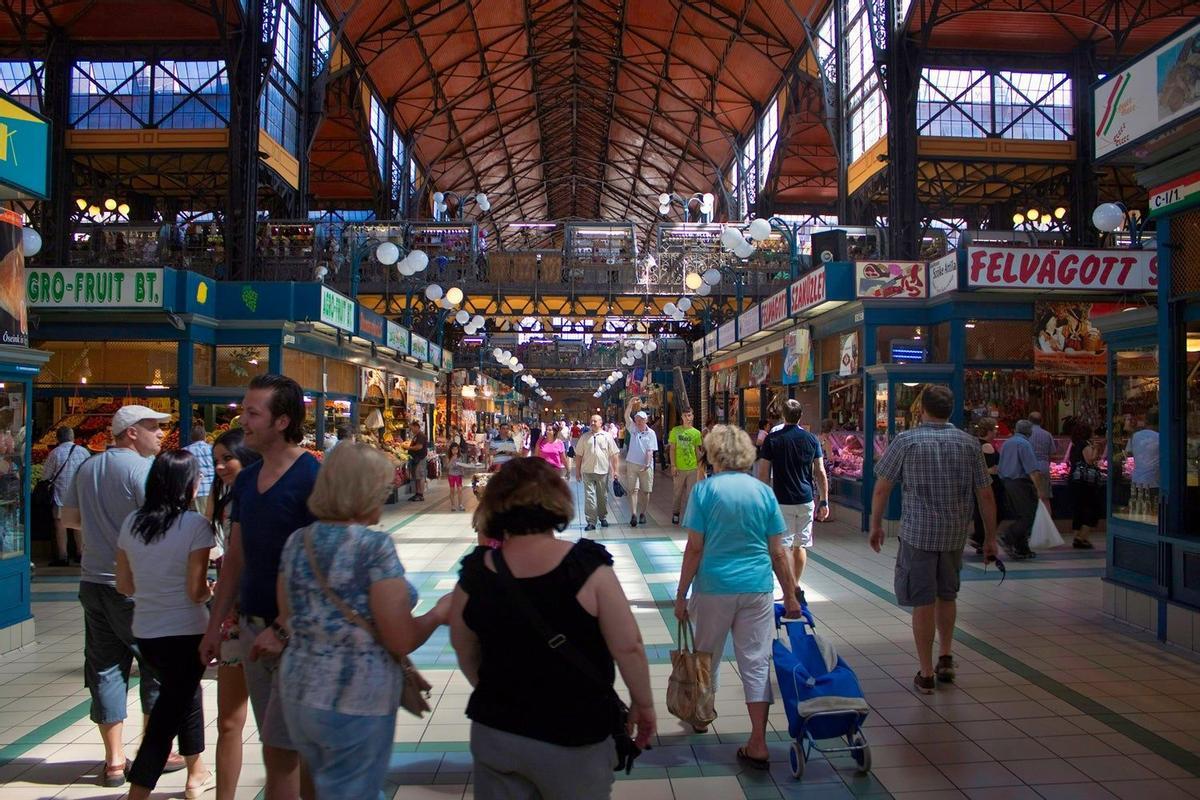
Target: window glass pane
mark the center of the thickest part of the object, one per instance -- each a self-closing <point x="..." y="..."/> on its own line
<point x="1134" y="471"/>
<point x="954" y="102"/>
<point x="21" y="80"/>
<point x="191" y="94"/>
<point x="1031" y="105"/>
<point x="237" y="364"/>
<point x="379" y="133"/>
<point x="322" y="39"/>
<point x="110" y="94"/>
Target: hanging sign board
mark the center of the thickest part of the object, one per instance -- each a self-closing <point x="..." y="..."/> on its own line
<point x="727" y="334"/>
<point x="1177" y="195"/>
<point x="809" y="291"/>
<point x="24" y="152"/>
<point x="710" y="343"/>
<point x="943" y="275"/>
<point x="337" y="310"/>
<point x="447" y="360"/>
<point x="748" y="323"/>
<point x="1156" y="91"/>
<point x="797" y="357"/>
<point x="397" y="338"/>
<point x="420" y="348"/>
<point x="1066" y="342"/>
<point x="14" y="318"/>
<point x="370" y="326"/>
<point x="889" y="279"/>
<point x="94" y="288"/>
<point x="774" y="309"/>
<point x="435" y="354"/>
<point x="848" y="365"/>
<point x="1054" y="268"/>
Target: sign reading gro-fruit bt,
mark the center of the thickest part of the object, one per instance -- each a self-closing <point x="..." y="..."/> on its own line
<point x="94" y="288"/>
<point x="1055" y="268"/>
<point x="809" y="291"/>
<point x="337" y="310"/>
<point x="774" y="309"/>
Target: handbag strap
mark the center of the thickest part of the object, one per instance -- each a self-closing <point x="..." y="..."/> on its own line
<point x="557" y="642"/>
<point x="348" y="612"/>
<point x="686" y="635"/>
<point x="63" y="465"/>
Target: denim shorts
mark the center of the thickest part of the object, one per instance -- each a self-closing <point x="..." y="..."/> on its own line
<point x="346" y="754"/>
<point x="108" y="653"/>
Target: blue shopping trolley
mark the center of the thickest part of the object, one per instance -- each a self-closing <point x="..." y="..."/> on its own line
<point x="821" y="695"/>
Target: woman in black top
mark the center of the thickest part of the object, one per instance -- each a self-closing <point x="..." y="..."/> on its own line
<point x="1087" y="498"/>
<point x="540" y="725"/>
<point x="985" y="431"/>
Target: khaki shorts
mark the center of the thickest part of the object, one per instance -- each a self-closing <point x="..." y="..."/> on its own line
<point x="799" y="520"/>
<point x="923" y="576"/>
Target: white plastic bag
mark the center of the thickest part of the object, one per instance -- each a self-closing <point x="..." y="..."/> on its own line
<point x="1045" y="533"/>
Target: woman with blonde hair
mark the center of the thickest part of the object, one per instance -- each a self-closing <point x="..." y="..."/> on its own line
<point x="542" y="714"/>
<point x="734" y="526"/>
<point x="348" y="609"/>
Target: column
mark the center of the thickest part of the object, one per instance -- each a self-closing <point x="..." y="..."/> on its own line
<point x="245" y="86"/>
<point x="57" y="212"/>
<point x="904" y="217"/>
<point x="1084" y="186"/>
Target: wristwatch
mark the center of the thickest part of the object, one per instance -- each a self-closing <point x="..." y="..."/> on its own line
<point x="281" y="633"/>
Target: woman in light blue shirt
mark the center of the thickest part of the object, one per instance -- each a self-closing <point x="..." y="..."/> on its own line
<point x="734" y="524"/>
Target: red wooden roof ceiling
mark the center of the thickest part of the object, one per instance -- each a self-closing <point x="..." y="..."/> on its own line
<point x="115" y="20"/>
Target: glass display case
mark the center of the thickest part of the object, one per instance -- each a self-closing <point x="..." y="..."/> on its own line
<point x="1134" y="435"/>
<point x="1191" y="409"/>
<point x="12" y="470"/>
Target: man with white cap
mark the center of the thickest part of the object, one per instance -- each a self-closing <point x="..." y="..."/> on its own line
<point x="106" y="489"/>
<point x="639" y="462"/>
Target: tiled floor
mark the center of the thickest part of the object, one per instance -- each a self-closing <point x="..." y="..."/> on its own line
<point x="1053" y="700"/>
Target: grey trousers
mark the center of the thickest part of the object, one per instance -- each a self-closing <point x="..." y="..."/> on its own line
<point x="595" y="497"/>
<point x="512" y="767"/>
<point x="1022" y="495"/>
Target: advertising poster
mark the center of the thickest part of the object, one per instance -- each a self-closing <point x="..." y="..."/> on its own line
<point x="849" y="362"/>
<point x="1153" y="92"/>
<point x="943" y="275"/>
<point x="1065" y="340"/>
<point x="797" y="357"/>
<point x="887" y="279"/>
<point x="13" y="317"/>
<point x="760" y="369"/>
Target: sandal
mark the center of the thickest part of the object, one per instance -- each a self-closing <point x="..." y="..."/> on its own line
<point x="199" y="790"/>
<point x="757" y="763"/>
<point x="114" y="777"/>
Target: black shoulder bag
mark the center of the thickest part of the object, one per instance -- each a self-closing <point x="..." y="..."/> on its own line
<point x="627" y="751"/>
<point x="43" y="490"/>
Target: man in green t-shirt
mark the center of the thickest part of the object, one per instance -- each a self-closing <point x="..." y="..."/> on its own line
<point x="683" y="445"/>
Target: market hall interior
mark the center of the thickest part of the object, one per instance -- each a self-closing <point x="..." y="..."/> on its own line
<point x="442" y="216"/>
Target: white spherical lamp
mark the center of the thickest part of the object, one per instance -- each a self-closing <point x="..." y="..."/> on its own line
<point x="664" y="199"/>
<point x="744" y="250"/>
<point x="692" y="281"/>
<point x="670" y="309"/>
<point x="462" y="317"/>
<point x="1108" y="217"/>
<point x="651" y="346"/>
<point x="760" y="229"/>
<point x="438" y="197"/>
<point x="730" y="238"/>
<point x="711" y="277"/>
<point x="705" y="290"/>
<point x="433" y="292"/>
<point x="387" y="253"/>
<point x="496" y="353"/>
<point x="420" y="260"/>
<point x="454" y="296"/>
<point x="31" y="242"/>
<point x="685" y="303"/>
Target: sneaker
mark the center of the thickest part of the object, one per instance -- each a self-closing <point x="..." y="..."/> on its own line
<point x="633" y="521"/>
<point x="945" y="669"/>
<point x="674" y="519"/>
<point x="589" y="527"/>
<point x="62" y="562"/>
<point x="800" y="597"/>
<point x="603" y="523"/>
<point x="641" y="519"/>
<point x="923" y="684"/>
<point x="414" y="498"/>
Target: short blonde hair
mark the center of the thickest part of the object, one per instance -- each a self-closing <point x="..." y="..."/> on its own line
<point x="525" y="496"/>
<point x="729" y="448"/>
<point x="353" y="482"/>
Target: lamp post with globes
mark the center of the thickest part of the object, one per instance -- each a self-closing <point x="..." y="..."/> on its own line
<point x="448" y="206"/>
<point x="1115" y="217"/>
<point x="1033" y="218"/>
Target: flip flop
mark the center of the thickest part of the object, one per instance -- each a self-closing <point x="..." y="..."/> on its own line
<point x="757" y="763"/>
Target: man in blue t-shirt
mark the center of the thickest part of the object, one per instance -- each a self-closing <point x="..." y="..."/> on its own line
<point x="792" y="456"/>
<point x="270" y="501"/>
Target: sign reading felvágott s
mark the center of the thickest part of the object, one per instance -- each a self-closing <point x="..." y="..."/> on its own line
<point x="1154" y="92"/>
<point x="809" y="291"/>
<point x="337" y="310"/>
<point x="943" y="275"/>
<point x="94" y="288"/>
<point x="774" y="309"/>
<point x="1055" y="268"/>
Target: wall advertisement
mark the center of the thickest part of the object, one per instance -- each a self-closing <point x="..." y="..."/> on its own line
<point x="1154" y="92"/>
<point x="397" y="338"/>
<point x="797" y="357"/>
<point x="748" y="323"/>
<point x="420" y="347"/>
<point x="1064" y="340"/>
<point x="889" y="279"/>
<point x="14" y="319"/>
<point x="849" y="361"/>
<point x="1057" y="268"/>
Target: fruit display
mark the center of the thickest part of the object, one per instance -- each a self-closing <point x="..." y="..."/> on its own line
<point x="91" y="420"/>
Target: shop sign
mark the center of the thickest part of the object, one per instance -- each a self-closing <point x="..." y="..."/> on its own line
<point x="422" y="391"/>
<point x="748" y="323"/>
<point x="337" y="310"/>
<point x="24" y="151"/>
<point x="809" y="291"/>
<point x="797" y="357"/>
<point x="160" y="404"/>
<point x="1152" y="93"/>
<point x="94" y="288"/>
<point x="774" y="309"/>
<point x="697" y="350"/>
<point x="397" y="338"/>
<point x="889" y="279"/>
<point x="710" y="343"/>
<point x="447" y="360"/>
<point x="420" y="348"/>
<point x="435" y="354"/>
<point x="14" y="316"/>
<point x="943" y="275"/>
<point x="370" y="326"/>
<point x="849" y="362"/>
<point x="1054" y="268"/>
<point x="1064" y="340"/>
<point x="1179" y="193"/>
<point x="727" y="334"/>
<point x="760" y="369"/>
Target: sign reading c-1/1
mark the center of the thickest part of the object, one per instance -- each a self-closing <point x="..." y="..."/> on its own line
<point x="94" y="288"/>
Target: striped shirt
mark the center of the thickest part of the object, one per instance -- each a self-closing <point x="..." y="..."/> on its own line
<point x="202" y="450"/>
<point x="938" y="468"/>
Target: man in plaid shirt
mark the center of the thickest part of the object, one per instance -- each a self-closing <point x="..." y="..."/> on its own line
<point x="941" y="473"/>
